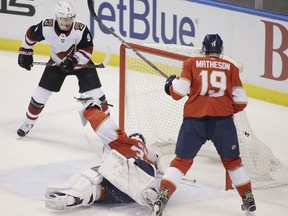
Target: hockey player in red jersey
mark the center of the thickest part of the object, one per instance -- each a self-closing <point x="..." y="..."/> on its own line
<point x="89" y="187"/>
<point x="71" y="43"/>
<point x="215" y="93"/>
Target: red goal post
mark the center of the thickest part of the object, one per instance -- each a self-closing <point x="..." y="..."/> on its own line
<point x="144" y="107"/>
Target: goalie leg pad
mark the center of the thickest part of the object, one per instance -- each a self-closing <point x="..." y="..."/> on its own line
<point x="82" y="189"/>
<point x="127" y="176"/>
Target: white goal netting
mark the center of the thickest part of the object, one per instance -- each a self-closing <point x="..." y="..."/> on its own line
<point x="147" y="109"/>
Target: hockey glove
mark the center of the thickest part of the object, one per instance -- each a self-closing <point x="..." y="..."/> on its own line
<point x="168" y="83"/>
<point x="25" y="58"/>
<point x="68" y="64"/>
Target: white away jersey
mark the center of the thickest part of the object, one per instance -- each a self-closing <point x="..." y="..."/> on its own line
<point x="77" y="41"/>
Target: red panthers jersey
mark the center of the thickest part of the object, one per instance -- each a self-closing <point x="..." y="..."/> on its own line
<point x="213" y="85"/>
<point x="114" y="138"/>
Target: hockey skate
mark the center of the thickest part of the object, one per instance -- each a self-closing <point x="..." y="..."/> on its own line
<point x="160" y="202"/>
<point x="24" y="129"/>
<point x="248" y="205"/>
<point x="149" y="196"/>
<point x="60" y="201"/>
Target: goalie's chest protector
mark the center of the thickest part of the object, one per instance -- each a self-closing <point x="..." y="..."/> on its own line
<point x="62" y="44"/>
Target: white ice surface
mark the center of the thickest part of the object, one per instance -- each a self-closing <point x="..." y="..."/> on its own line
<point x="58" y="146"/>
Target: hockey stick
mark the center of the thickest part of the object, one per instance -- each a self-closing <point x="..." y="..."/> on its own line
<point x="101" y="65"/>
<point x="93" y="14"/>
<point x="76" y="65"/>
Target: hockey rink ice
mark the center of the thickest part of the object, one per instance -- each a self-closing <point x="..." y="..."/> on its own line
<point x="59" y="145"/>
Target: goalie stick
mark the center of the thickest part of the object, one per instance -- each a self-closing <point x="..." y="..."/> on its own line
<point x="101" y="65"/>
<point x="94" y="15"/>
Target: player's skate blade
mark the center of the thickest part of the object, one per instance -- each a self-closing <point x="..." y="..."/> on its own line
<point x="248" y="213"/>
<point x="24" y="129"/>
<point x="160" y="202"/>
<point x="248" y="205"/>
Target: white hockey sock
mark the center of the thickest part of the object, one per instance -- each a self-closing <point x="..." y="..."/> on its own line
<point x="239" y="176"/>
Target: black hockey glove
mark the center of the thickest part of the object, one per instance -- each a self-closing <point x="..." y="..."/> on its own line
<point x="68" y="64"/>
<point x="168" y="83"/>
<point x="25" y="58"/>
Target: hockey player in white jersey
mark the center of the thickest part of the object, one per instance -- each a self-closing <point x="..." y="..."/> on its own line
<point x="71" y="44"/>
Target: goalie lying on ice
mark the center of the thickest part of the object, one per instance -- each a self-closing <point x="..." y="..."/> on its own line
<point x="124" y="157"/>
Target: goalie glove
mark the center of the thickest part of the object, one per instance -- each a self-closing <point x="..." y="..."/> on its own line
<point x="25" y="58"/>
<point x="68" y="64"/>
<point x="168" y="83"/>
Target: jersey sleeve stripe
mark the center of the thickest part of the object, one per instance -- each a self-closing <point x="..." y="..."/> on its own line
<point x="181" y="86"/>
<point x="239" y="95"/>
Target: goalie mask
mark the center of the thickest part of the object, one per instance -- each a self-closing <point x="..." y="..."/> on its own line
<point x="212" y="43"/>
<point x="138" y="137"/>
<point x="65" y="15"/>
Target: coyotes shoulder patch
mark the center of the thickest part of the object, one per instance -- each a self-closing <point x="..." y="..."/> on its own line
<point x="48" y="22"/>
<point x="79" y="26"/>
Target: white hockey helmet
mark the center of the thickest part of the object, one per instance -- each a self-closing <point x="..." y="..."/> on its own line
<point x="65" y="15"/>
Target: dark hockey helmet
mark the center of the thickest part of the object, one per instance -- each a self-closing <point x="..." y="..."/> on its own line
<point x="212" y="43"/>
<point x="138" y="136"/>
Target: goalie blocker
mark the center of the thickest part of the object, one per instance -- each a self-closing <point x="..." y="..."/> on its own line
<point x="124" y="182"/>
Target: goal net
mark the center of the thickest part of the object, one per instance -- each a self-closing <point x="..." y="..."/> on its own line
<point x="146" y="108"/>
